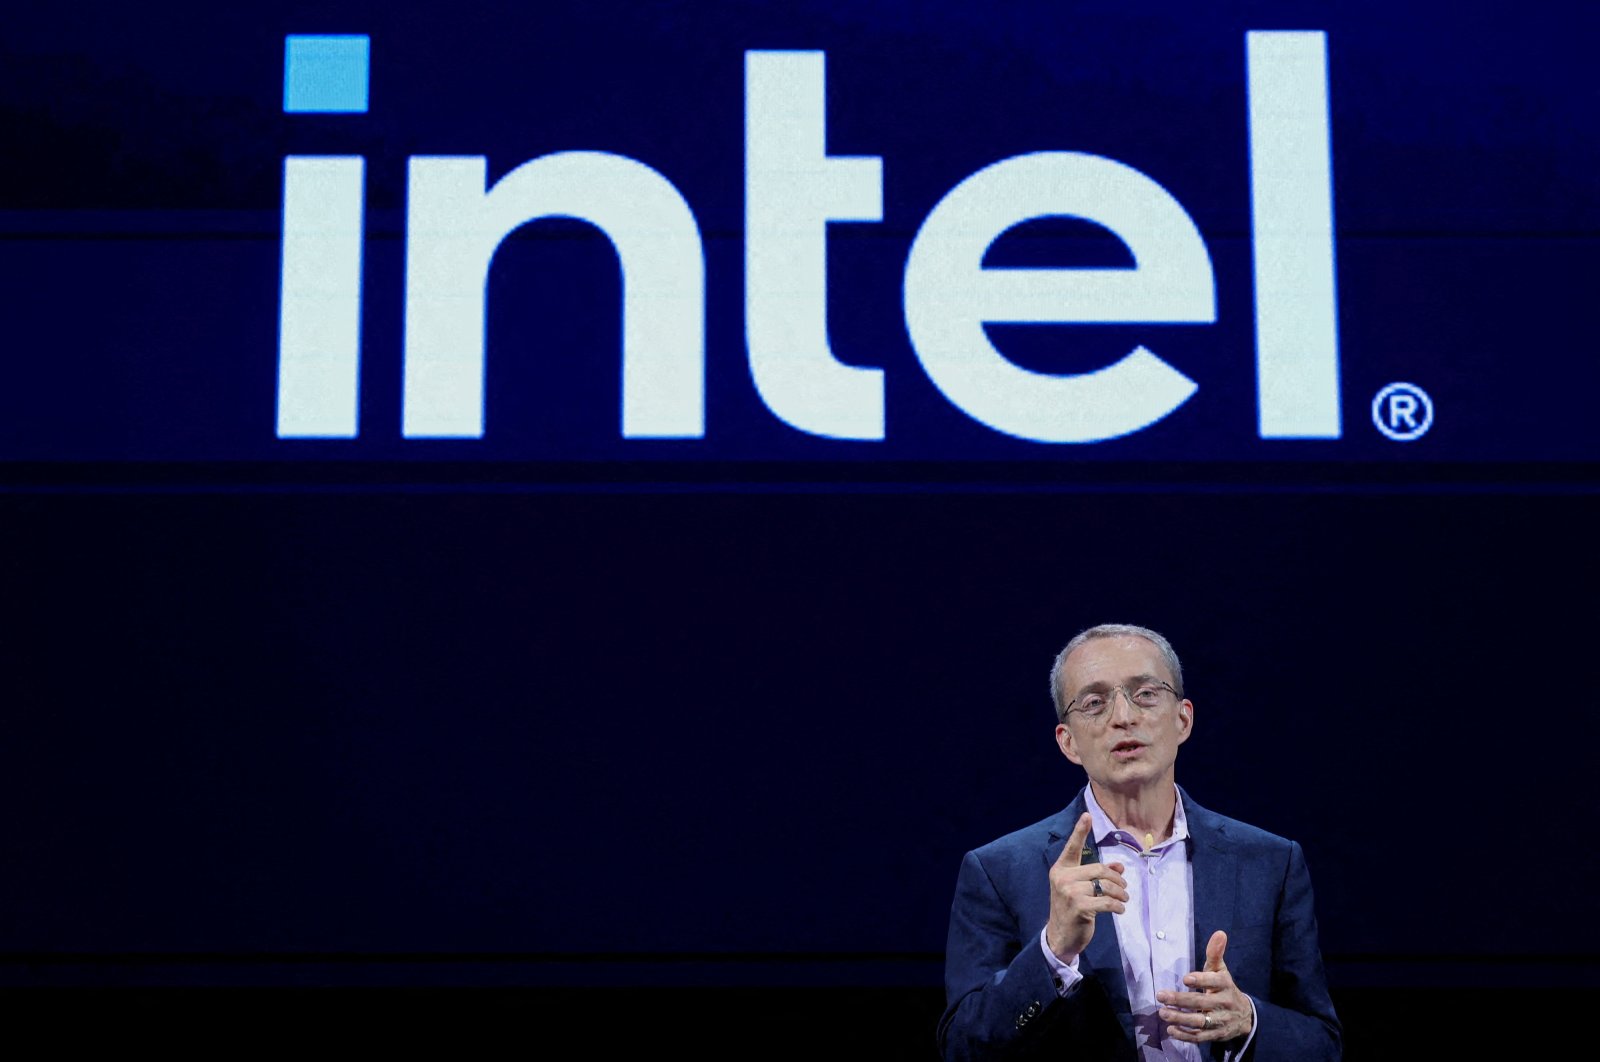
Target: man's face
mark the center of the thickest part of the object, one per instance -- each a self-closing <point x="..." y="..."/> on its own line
<point x="1126" y="749"/>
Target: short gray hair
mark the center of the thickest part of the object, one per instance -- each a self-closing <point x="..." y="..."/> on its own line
<point x="1111" y="630"/>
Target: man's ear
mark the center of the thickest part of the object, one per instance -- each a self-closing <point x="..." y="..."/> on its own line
<point x="1068" y="747"/>
<point x="1185" y="720"/>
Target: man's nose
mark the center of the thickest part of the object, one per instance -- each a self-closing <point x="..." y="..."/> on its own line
<point x="1119" y="717"/>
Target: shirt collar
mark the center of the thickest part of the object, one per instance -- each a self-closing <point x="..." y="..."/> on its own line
<point x="1106" y="832"/>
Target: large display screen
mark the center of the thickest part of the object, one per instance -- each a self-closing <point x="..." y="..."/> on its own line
<point x="600" y="234"/>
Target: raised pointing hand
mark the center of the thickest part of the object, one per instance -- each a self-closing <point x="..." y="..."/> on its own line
<point x="1074" y="900"/>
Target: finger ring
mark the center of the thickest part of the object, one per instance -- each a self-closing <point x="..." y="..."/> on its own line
<point x="1096" y="882"/>
<point x="1206" y="1022"/>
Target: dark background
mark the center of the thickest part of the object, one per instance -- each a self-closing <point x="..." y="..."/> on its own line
<point x="684" y="741"/>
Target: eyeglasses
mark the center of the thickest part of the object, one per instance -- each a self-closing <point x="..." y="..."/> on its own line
<point x="1096" y="707"/>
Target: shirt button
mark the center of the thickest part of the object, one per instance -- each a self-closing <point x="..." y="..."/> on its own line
<point x="1161" y="934"/>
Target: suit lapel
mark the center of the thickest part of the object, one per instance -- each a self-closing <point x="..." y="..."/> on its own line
<point x="1101" y="961"/>
<point x="1216" y="872"/>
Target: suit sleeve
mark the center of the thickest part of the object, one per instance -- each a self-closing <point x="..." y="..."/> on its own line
<point x="1296" y="1023"/>
<point x="999" y="988"/>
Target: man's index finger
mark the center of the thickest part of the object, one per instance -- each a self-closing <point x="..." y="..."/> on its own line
<point x="1072" y="854"/>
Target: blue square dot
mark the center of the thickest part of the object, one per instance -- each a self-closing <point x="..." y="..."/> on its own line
<point x="325" y="74"/>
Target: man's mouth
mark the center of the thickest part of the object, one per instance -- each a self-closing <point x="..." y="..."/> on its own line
<point x="1126" y="750"/>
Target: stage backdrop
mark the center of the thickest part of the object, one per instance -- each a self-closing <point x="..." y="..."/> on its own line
<point x="588" y="493"/>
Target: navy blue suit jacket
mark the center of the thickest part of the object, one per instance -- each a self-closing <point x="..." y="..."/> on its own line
<point x="1001" y="997"/>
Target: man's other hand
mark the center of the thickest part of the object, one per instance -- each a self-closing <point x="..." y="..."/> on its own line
<point x="1218" y="1011"/>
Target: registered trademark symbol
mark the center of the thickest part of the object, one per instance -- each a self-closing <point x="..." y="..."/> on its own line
<point x="1403" y="412"/>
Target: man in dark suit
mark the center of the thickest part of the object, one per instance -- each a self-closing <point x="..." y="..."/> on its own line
<point x="1135" y="924"/>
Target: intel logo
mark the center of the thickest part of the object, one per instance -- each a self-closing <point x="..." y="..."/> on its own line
<point x="793" y="191"/>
